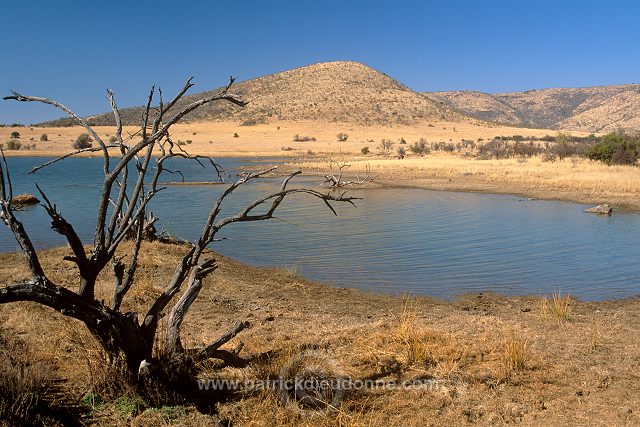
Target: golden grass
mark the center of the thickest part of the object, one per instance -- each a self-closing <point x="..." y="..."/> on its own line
<point x="491" y="362"/>
<point x="217" y="138"/>
<point x="556" y="307"/>
<point x="515" y="354"/>
<point x="573" y="174"/>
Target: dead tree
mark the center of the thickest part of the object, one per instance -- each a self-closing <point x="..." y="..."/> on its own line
<point x="334" y="179"/>
<point x="132" y="166"/>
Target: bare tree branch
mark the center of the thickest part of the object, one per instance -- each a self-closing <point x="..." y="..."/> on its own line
<point x="21" y="236"/>
<point x="24" y="98"/>
<point x="209" y="350"/>
<point x="172" y="339"/>
<point x="61" y="226"/>
<point x="73" y="153"/>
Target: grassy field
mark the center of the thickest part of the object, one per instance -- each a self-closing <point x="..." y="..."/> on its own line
<point x="481" y="359"/>
<point x="217" y="138"/>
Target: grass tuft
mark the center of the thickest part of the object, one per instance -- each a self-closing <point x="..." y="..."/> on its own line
<point x="556" y="307"/>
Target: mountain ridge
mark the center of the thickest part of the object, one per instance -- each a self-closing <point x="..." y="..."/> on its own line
<point x="591" y="109"/>
<point x="338" y="92"/>
<point x="353" y="93"/>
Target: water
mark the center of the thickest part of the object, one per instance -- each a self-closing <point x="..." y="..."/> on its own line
<point x="397" y="240"/>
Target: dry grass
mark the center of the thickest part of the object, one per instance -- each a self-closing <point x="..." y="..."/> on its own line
<point x="217" y="138"/>
<point x="26" y="386"/>
<point x="488" y="360"/>
<point x="556" y="307"/>
<point x="515" y="353"/>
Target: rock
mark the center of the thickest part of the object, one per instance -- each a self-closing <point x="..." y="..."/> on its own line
<point x="600" y="209"/>
<point x="24" y="200"/>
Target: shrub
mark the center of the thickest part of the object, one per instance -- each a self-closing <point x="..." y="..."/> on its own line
<point x="235" y="135"/>
<point x="113" y="139"/>
<point x="364" y="150"/>
<point x="421" y="148"/>
<point x="494" y="149"/>
<point x="401" y="152"/>
<point x="253" y="122"/>
<point x="15" y="134"/>
<point x="342" y="136"/>
<point x="13" y="145"/>
<point x="402" y="141"/>
<point x="44" y="137"/>
<point x="83" y="141"/>
<point x="529" y="149"/>
<point x="616" y="148"/>
<point x="298" y="138"/>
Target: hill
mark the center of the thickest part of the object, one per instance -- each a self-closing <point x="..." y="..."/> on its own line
<point x="334" y="92"/>
<point x="591" y="109"/>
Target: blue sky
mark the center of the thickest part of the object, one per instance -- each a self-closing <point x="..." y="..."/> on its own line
<point x="73" y="50"/>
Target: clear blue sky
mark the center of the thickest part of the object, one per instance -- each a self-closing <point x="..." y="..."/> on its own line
<point x="73" y="50"/>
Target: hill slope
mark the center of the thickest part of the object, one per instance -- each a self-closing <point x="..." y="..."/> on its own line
<point x="592" y="109"/>
<point x="341" y="92"/>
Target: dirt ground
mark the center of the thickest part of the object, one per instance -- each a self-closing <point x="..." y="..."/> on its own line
<point x="481" y="359"/>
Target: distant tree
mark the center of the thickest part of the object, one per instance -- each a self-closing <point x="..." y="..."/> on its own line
<point x="13" y="145"/>
<point x="15" y="134"/>
<point x="44" y="137"/>
<point x="82" y="142"/>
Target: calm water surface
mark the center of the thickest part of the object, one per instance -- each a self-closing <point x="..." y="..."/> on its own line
<point x="397" y="240"/>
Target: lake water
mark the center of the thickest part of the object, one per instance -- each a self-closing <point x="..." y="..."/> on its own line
<point x="397" y="240"/>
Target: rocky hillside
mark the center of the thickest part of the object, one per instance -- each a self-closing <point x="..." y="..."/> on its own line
<point x="342" y="92"/>
<point x="592" y="109"/>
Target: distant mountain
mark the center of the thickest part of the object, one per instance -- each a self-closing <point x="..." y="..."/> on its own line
<point x="345" y="92"/>
<point x="591" y="109"/>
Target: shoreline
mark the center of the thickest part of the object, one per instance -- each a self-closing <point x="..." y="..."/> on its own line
<point x="492" y="177"/>
<point x="16" y="257"/>
<point x="443" y="182"/>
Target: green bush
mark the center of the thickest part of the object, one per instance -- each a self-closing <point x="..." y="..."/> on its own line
<point x="82" y="142"/>
<point x="15" y="134"/>
<point x="616" y="149"/>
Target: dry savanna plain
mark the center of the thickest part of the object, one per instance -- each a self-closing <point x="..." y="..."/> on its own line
<point x="481" y="359"/>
